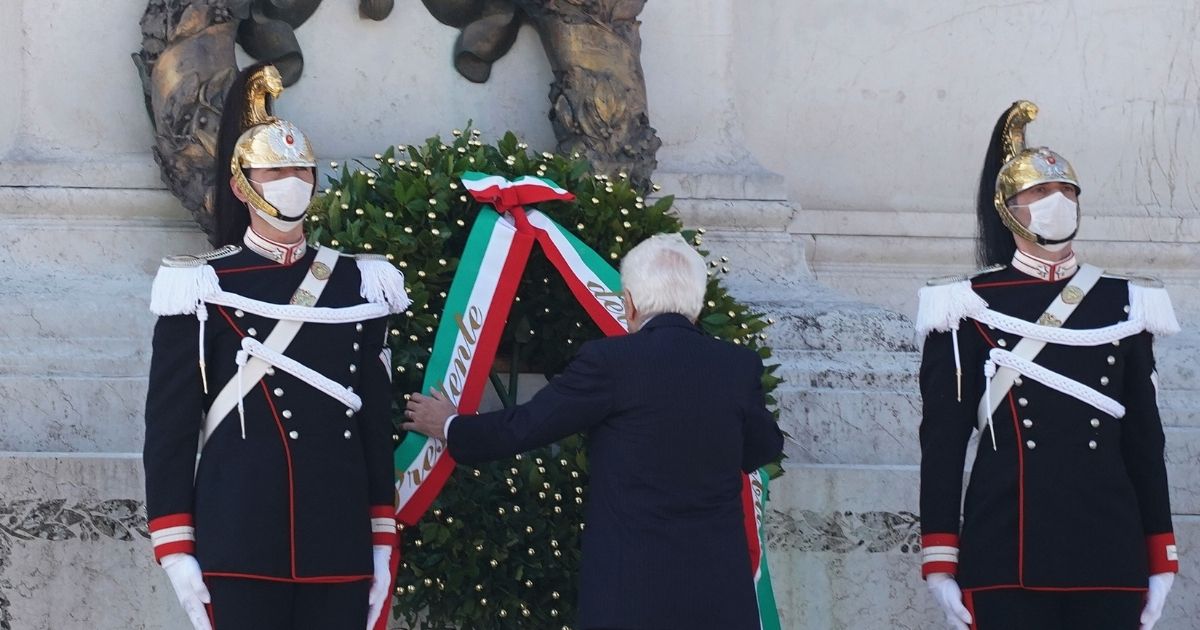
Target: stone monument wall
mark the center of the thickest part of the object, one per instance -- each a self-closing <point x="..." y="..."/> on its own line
<point x="830" y="148"/>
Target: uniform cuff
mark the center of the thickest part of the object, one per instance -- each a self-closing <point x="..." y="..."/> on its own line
<point x="939" y="554"/>
<point x="383" y="525"/>
<point x="1163" y="556"/>
<point x="173" y="533"/>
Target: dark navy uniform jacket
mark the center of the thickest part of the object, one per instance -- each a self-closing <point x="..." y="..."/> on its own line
<point x="673" y="418"/>
<point x="309" y="489"/>
<point x="1071" y="497"/>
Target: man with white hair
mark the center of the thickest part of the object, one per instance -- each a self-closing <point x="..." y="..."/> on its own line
<point x="673" y="418"/>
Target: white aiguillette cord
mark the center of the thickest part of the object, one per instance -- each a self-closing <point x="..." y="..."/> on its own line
<point x="252" y="369"/>
<point x="1000" y="379"/>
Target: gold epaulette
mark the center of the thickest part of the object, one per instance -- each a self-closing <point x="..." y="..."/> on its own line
<point x="940" y="280"/>
<point x="184" y="261"/>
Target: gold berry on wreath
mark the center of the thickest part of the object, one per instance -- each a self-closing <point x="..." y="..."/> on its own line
<point x="406" y="204"/>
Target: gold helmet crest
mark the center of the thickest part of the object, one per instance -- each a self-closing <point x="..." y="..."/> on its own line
<point x="1026" y="167"/>
<point x="266" y="141"/>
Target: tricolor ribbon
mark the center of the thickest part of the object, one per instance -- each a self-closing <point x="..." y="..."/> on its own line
<point x="477" y="306"/>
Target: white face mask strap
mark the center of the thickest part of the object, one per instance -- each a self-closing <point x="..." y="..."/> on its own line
<point x="282" y="225"/>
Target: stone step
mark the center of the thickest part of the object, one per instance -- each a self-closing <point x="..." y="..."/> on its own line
<point x="81" y="357"/>
<point x="73" y="304"/>
<point x="65" y="413"/>
<point x="843" y="547"/>
<point x="107" y="230"/>
<point x="824" y="321"/>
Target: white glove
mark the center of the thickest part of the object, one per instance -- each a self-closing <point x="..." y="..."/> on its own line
<point x="184" y="573"/>
<point x="949" y="597"/>
<point x="381" y="584"/>
<point x="1160" y="585"/>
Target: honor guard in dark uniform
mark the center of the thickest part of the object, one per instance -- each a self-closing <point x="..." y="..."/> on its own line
<point x="1066" y="523"/>
<point x="270" y="364"/>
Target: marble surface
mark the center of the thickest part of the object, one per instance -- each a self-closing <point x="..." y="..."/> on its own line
<point x="843" y="544"/>
<point x="832" y="176"/>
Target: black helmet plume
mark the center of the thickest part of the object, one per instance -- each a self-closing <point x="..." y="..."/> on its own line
<point x="231" y="216"/>
<point x="994" y="243"/>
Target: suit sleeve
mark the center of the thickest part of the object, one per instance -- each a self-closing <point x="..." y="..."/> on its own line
<point x="174" y="413"/>
<point x="572" y="402"/>
<point x="375" y="427"/>
<point x="762" y="441"/>
<point x="1142" y="447"/>
<point x="946" y="425"/>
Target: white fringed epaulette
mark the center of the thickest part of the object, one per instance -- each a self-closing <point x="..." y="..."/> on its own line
<point x="1150" y="303"/>
<point x="944" y="302"/>
<point x="183" y="282"/>
<point x="382" y="282"/>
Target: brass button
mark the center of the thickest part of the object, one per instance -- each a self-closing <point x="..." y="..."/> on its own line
<point x="347" y="434"/>
<point x="287" y="413"/>
<point x="1095" y="423"/>
<point x="1027" y="423"/>
<point x="295" y="435"/>
<point x="278" y="391"/>
<point x="1031" y="445"/>
<point x="1092" y="445"/>
<point x="1104" y="380"/>
<point x="1023" y="402"/>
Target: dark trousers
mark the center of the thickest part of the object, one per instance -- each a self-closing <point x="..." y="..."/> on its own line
<point x="243" y="604"/>
<point x="1019" y="609"/>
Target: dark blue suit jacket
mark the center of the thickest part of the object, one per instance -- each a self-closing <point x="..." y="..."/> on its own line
<point x="673" y="418"/>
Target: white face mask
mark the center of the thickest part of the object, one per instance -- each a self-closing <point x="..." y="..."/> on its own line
<point x="290" y="196"/>
<point x="1054" y="218"/>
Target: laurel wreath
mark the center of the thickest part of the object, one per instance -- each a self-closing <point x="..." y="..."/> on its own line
<point x="500" y="547"/>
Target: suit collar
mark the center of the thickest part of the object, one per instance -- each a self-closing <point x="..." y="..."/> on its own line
<point x="669" y="320"/>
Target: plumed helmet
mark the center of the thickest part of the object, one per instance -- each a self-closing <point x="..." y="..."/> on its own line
<point x="1024" y="167"/>
<point x="266" y="141"/>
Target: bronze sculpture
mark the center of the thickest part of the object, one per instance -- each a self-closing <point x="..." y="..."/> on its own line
<point x="598" y="97"/>
<point x="187" y="64"/>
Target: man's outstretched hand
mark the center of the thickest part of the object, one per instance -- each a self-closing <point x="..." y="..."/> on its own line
<point x="427" y="415"/>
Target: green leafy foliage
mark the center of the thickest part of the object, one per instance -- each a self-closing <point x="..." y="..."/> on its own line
<point x="501" y="546"/>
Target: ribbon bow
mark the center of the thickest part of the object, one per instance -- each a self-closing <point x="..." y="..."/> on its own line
<point x="509" y="196"/>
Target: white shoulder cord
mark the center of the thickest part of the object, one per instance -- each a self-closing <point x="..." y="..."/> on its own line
<point x="1055" y="381"/>
<point x="308" y="314"/>
<point x="202" y="317"/>
<point x="1061" y="336"/>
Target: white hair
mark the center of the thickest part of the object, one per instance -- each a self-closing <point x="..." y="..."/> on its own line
<point x="664" y="274"/>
